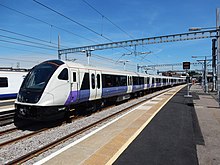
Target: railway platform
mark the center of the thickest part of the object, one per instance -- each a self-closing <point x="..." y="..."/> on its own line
<point x="6" y="105"/>
<point x="169" y="129"/>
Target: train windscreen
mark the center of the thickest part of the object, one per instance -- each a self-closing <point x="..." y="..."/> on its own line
<point x="36" y="81"/>
<point x="39" y="76"/>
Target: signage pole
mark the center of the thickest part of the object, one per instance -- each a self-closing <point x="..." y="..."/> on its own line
<point x="186" y="66"/>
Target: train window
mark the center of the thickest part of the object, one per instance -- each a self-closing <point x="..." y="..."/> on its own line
<point x="74" y="76"/>
<point x="141" y="80"/>
<point x="148" y="80"/>
<point x="164" y="80"/>
<point x="131" y="81"/>
<point x="63" y="74"/>
<point x="85" y="82"/>
<point x="157" y="80"/>
<point x="93" y="81"/>
<point x="152" y="80"/>
<point x="117" y="81"/>
<point x="3" y="82"/>
<point x="114" y="80"/>
<point x="106" y="81"/>
<point x="135" y="80"/>
<point x="123" y="81"/>
<point x="98" y="81"/>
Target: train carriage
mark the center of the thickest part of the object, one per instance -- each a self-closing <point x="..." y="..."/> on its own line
<point x="54" y="87"/>
<point x="10" y="82"/>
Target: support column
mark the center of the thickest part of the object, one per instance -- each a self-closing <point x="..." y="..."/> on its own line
<point x="218" y="50"/>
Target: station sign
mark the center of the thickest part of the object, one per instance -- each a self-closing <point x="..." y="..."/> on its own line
<point x="186" y="65"/>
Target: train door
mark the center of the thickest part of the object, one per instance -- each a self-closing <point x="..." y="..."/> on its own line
<point x="74" y="81"/>
<point x="95" y="84"/>
<point x="98" y="85"/>
<point x="129" y="84"/>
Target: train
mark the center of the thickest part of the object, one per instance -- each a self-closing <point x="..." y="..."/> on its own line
<point x="10" y="82"/>
<point x="54" y="87"/>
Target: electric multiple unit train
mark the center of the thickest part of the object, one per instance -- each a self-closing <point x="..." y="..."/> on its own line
<point x="54" y="87"/>
<point x="10" y="82"/>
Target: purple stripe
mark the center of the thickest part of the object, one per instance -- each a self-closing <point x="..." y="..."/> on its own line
<point x="8" y="96"/>
<point x="137" y="88"/>
<point x="78" y="97"/>
<point x="113" y="91"/>
<point x="72" y="97"/>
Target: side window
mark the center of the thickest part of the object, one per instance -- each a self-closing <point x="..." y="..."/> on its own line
<point x="123" y="80"/>
<point x="93" y="81"/>
<point x="85" y="82"/>
<point x="98" y="81"/>
<point x="141" y="80"/>
<point x="3" y="82"/>
<point x="63" y="74"/>
<point x="74" y="76"/>
<point x="135" y="80"/>
<point x="107" y="81"/>
<point x="128" y="80"/>
<point x="148" y="80"/>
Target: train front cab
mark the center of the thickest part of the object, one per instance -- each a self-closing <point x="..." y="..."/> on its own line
<point x="43" y="92"/>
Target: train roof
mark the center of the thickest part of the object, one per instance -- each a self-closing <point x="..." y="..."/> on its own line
<point x="72" y="64"/>
<point x="82" y="66"/>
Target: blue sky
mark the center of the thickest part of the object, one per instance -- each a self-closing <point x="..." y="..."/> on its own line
<point x="139" y="19"/>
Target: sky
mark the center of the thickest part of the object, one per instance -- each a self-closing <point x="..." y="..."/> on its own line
<point x="29" y="31"/>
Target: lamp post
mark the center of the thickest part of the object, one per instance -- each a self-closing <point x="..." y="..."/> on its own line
<point x="88" y="55"/>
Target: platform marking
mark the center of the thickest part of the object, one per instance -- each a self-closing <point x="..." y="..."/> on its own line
<point x="152" y="102"/>
<point x="199" y="106"/>
<point x="113" y="159"/>
<point x="7" y="109"/>
<point x="5" y="101"/>
<point x="157" y="99"/>
<point x="145" y="108"/>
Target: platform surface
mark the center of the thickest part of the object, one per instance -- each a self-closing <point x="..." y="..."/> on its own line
<point x="6" y="105"/>
<point x="186" y="131"/>
<point x="169" y="129"/>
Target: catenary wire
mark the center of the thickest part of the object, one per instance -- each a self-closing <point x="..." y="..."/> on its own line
<point x="103" y="16"/>
<point x="17" y="43"/>
<point x="25" y="50"/>
<point x="37" y="43"/>
<point x="76" y="22"/>
<point x="51" y="25"/>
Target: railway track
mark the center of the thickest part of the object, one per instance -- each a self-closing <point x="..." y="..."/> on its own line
<point x="65" y="138"/>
